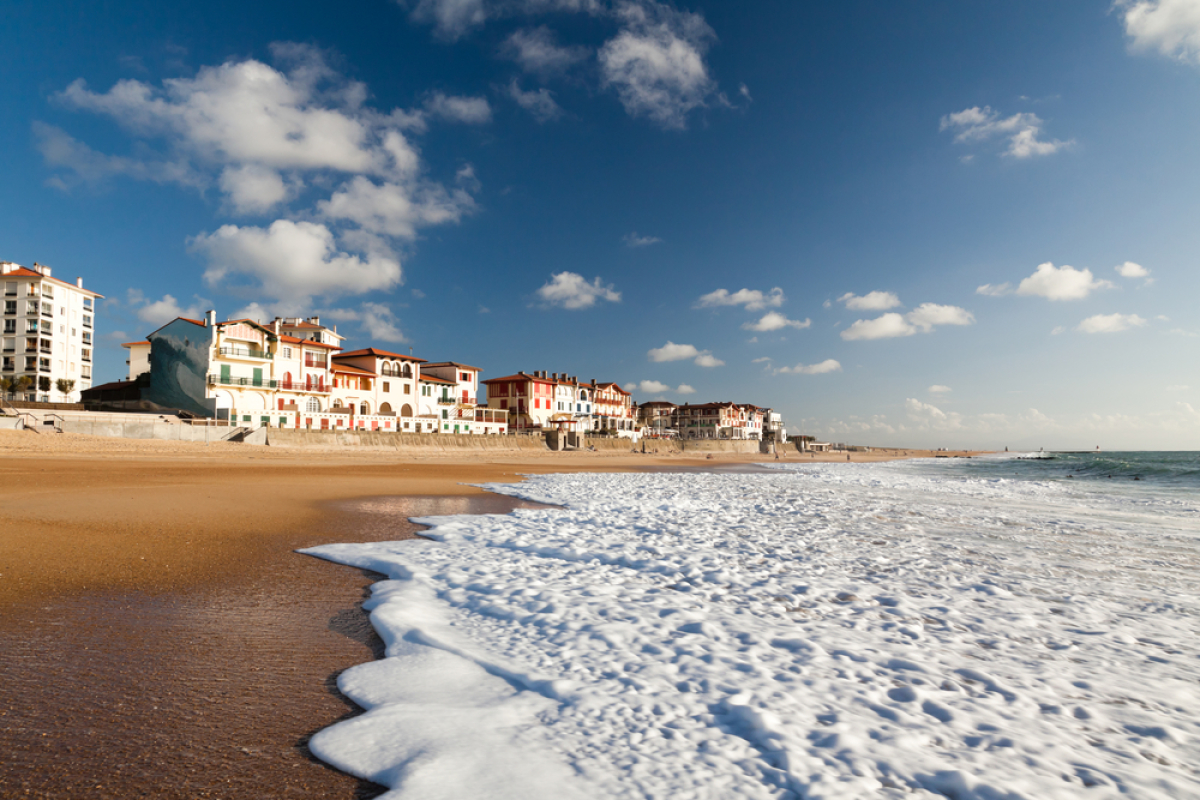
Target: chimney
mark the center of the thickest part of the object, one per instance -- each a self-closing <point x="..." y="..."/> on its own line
<point x="79" y="283"/>
<point x="212" y="319"/>
<point x="315" y="320"/>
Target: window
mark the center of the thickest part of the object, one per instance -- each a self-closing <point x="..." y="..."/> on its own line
<point x="287" y="352"/>
<point x="10" y="326"/>
<point x="10" y="289"/>
<point x="47" y="290"/>
<point x="313" y="404"/>
<point x="87" y="356"/>
<point x="31" y="326"/>
<point x="445" y="414"/>
<point x="10" y="306"/>
<point x="464" y="377"/>
<point x="87" y="338"/>
<point x="407" y="389"/>
<point x="87" y="320"/>
<point x="87" y="303"/>
<point x="31" y="307"/>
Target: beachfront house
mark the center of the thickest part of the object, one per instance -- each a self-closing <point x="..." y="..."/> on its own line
<point x="614" y="410"/>
<point x="456" y="388"/>
<point x="656" y="417"/>
<point x="527" y="399"/>
<point x="49" y="334"/>
<point x="379" y="390"/>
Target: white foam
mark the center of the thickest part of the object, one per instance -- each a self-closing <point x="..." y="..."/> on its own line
<point x="823" y="632"/>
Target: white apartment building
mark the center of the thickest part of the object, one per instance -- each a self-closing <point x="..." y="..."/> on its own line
<point x="49" y="332"/>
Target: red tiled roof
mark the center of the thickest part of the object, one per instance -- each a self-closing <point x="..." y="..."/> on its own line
<point x="133" y="344"/>
<point x="349" y="369"/>
<point x="435" y="379"/>
<point x="295" y="340"/>
<point x="520" y="378"/>
<point x="193" y="321"/>
<point x="25" y="272"/>
<point x="371" y="351"/>
<point x="453" y="364"/>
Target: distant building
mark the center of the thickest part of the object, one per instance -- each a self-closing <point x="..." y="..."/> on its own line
<point x="49" y="332"/>
<point x="657" y="417"/>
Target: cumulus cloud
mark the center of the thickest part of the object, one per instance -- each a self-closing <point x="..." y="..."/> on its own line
<point x="377" y="320"/>
<point x="1131" y="270"/>
<point x="752" y="299"/>
<point x="871" y="301"/>
<point x="162" y="311"/>
<point x="826" y="366"/>
<point x="79" y="163"/>
<point x="293" y="261"/>
<point x="1021" y="131"/>
<point x="656" y="62"/>
<point x="651" y="387"/>
<point x="774" y="321"/>
<point x="451" y="18"/>
<point x="467" y="110"/>
<point x="1172" y="27"/>
<point x="673" y="352"/>
<point x="633" y="240"/>
<point x="922" y="319"/>
<point x="1111" y="323"/>
<point x="683" y="388"/>
<point x="1061" y="283"/>
<point x="994" y="290"/>
<point x="888" y="326"/>
<point x="571" y="290"/>
<point x="538" y="102"/>
<point x="938" y="389"/>
<point x="681" y="352"/>
<point x="538" y="52"/>
<point x="928" y="315"/>
<point x="260" y="134"/>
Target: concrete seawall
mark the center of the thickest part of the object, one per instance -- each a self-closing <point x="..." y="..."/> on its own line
<point x="368" y="440"/>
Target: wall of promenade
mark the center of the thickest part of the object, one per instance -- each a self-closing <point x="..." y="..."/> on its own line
<point x="407" y="442"/>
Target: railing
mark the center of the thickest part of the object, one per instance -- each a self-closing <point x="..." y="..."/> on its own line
<point x="301" y="386"/>
<point x="245" y="352"/>
<point x="312" y="362"/>
<point x="229" y="380"/>
<point x="446" y="401"/>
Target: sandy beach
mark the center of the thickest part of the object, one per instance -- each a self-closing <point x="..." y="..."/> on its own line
<point x="161" y="636"/>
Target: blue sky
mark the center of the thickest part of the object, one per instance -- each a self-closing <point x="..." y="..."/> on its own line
<point x="841" y="211"/>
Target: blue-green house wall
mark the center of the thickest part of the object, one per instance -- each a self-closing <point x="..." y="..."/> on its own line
<point x="179" y="354"/>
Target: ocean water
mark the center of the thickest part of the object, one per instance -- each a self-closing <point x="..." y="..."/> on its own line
<point x="975" y="629"/>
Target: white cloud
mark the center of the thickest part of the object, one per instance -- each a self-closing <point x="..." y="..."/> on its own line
<point x="871" y="301"/>
<point x="261" y="133"/>
<point x="293" y="261"/>
<point x="1057" y="330"/>
<point x="937" y="388"/>
<point x="395" y="209"/>
<point x="683" y="388"/>
<point x="651" y="387"/>
<point x="539" y="102"/>
<point x="467" y="110"/>
<point x="928" y="416"/>
<point x="994" y="290"/>
<point x="1021" y="131"/>
<point x="536" y="50"/>
<point x="451" y="18"/>
<point x="633" y="240"/>
<point x="255" y="189"/>
<point x="1172" y="27"/>
<point x="1131" y="270"/>
<point x="922" y="319"/>
<point x="927" y="315"/>
<point x="681" y="352"/>
<point x="656" y="62"/>
<point x="752" y="299"/>
<point x="761" y="360"/>
<point x="160" y="312"/>
<point x="1061" y="283"/>
<point x="85" y="165"/>
<point x="672" y="352"/>
<point x="571" y="290"/>
<point x="774" y="321"/>
<point x="376" y="319"/>
<point x="888" y="326"/>
<point x="1111" y="323"/>
<point x="826" y="366"/>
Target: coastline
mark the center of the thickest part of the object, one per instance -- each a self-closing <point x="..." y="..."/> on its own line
<point x="151" y="601"/>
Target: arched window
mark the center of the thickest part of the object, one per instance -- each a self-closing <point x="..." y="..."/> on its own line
<point x="386" y="408"/>
<point x="406" y="410"/>
<point x="313" y="404"/>
<point x="406" y="371"/>
<point x="364" y="408"/>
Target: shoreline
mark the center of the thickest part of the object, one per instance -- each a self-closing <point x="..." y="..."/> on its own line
<point x="161" y="634"/>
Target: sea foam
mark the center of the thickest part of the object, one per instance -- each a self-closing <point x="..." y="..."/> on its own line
<point x="842" y="631"/>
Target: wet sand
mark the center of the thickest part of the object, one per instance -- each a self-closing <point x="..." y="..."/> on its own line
<point x="159" y="636"/>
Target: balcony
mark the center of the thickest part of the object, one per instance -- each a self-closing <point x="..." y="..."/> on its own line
<point x="446" y="401"/>
<point x="229" y="380"/>
<point x="246" y="352"/>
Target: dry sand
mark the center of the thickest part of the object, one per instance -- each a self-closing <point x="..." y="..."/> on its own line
<point x="159" y="636"/>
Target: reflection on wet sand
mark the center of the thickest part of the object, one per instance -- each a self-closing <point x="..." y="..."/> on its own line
<point x="209" y="692"/>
